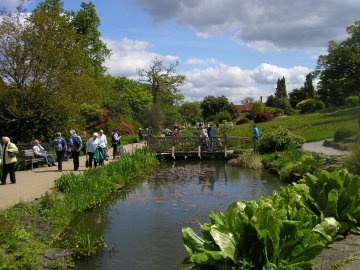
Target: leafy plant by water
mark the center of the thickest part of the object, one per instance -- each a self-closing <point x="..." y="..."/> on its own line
<point x="285" y="231"/>
<point x="248" y="159"/>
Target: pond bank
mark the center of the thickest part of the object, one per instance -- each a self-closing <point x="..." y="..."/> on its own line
<point x="31" y="185"/>
<point x="29" y="230"/>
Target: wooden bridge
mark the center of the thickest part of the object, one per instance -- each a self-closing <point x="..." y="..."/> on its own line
<point x="173" y="146"/>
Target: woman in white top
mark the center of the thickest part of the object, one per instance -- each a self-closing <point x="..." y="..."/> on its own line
<point x="103" y="143"/>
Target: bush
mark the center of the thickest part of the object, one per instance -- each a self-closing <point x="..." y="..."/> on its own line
<point x="243" y="120"/>
<point x="352" y="162"/>
<point x="248" y="159"/>
<point x="307" y="163"/>
<point x="257" y="107"/>
<point x="279" y="140"/>
<point x="306" y="105"/>
<point x="319" y="105"/>
<point x="276" y="111"/>
<point x="342" y="134"/>
<point x="263" y="117"/>
<point x="352" y="100"/>
<point x="223" y="116"/>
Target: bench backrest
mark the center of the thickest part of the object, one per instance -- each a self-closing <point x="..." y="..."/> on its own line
<point x="28" y="153"/>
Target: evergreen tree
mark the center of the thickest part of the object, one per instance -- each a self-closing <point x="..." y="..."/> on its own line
<point x="281" y="88"/>
<point x="309" y="87"/>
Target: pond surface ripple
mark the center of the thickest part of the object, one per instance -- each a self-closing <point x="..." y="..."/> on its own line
<point x="142" y="229"/>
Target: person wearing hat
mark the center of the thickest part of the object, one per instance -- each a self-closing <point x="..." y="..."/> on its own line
<point x="60" y="147"/>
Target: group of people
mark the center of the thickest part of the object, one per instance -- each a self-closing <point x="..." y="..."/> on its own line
<point x="96" y="152"/>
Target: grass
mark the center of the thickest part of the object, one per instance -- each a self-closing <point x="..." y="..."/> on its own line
<point x="313" y="127"/>
<point x="248" y="159"/>
<point x="28" y="229"/>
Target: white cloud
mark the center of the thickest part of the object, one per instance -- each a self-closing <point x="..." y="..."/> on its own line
<point x="259" y="23"/>
<point x="129" y="55"/>
<point x="10" y="3"/>
<point x="199" y="61"/>
<point x="216" y="79"/>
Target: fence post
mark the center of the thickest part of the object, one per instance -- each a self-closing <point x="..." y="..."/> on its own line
<point x="199" y="148"/>
<point x="173" y="147"/>
<point x="225" y="145"/>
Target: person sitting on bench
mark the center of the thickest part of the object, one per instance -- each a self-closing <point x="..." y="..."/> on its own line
<point x="39" y="151"/>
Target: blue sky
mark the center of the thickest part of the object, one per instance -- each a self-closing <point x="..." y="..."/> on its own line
<point x="225" y="47"/>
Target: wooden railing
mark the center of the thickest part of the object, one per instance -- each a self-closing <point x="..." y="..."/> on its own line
<point x="195" y="145"/>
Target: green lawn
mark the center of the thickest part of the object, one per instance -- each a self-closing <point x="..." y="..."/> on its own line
<point x="314" y="127"/>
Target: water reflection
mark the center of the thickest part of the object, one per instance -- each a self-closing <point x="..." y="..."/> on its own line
<point x="143" y="226"/>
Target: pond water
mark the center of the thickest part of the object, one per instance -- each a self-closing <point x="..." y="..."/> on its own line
<point x="142" y="229"/>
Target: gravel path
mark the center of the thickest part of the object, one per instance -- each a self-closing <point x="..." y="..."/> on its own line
<point x="318" y="147"/>
<point x="32" y="184"/>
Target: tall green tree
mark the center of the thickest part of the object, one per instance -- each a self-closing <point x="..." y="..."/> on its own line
<point x="190" y="112"/>
<point x="339" y="69"/>
<point x="163" y="82"/>
<point x="86" y="23"/>
<point x="280" y="88"/>
<point x="309" y="87"/>
<point x="44" y="72"/>
<point x="212" y="105"/>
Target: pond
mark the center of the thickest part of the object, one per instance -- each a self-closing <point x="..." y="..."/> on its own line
<point x="142" y="229"/>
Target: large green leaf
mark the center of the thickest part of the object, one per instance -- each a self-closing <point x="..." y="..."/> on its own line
<point x="225" y="240"/>
<point x="331" y="207"/>
<point x="308" y="253"/>
<point x="192" y="242"/>
<point x="327" y="229"/>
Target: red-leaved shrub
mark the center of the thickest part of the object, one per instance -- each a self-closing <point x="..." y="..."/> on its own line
<point x="242" y="121"/>
<point x="263" y="117"/>
<point x="126" y="129"/>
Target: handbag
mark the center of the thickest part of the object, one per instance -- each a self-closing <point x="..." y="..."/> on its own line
<point x="11" y="154"/>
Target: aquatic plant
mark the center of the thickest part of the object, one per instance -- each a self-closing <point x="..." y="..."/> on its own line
<point x="248" y="159"/>
<point x="285" y="231"/>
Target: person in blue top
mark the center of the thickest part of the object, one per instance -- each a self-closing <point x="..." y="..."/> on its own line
<point x="75" y="146"/>
<point x="255" y="137"/>
<point x="60" y="147"/>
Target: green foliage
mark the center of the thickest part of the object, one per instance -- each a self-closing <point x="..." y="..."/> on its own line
<point x="276" y="111"/>
<point x="257" y="107"/>
<point x="352" y="100"/>
<point x="342" y="134"/>
<point x="212" y="105"/>
<point x="247" y="100"/>
<point x="280" y="139"/>
<point x="338" y="69"/>
<point x="285" y="231"/>
<point x="307" y="163"/>
<point x="307" y="105"/>
<point x="223" y="116"/>
<point x="163" y="82"/>
<point x="190" y="112"/>
<point x="352" y="162"/>
<point x="247" y="159"/>
<point x="283" y="103"/>
<point x="280" y="91"/>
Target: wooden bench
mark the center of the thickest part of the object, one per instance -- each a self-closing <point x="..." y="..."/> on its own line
<point x="29" y="157"/>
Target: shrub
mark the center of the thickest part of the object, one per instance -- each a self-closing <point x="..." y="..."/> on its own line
<point x="306" y="105"/>
<point x="276" y="111"/>
<point x="342" y="134"/>
<point x="279" y="140"/>
<point x="306" y="164"/>
<point x="352" y="162"/>
<point x="242" y="121"/>
<point x="319" y="105"/>
<point x="223" y="116"/>
<point x="256" y="108"/>
<point x="263" y="117"/>
<point x="248" y="159"/>
<point x="352" y="100"/>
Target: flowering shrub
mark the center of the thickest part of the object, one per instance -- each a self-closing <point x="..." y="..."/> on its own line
<point x="243" y="121"/>
<point x="263" y="117"/>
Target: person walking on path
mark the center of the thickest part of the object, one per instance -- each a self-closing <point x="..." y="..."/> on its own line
<point x="115" y="140"/>
<point x="255" y="137"/>
<point x="9" y="160"/>
<point x="92" y="144"/>
<point x="39" y="151"/>
<point x="75" y="146"/>
<point x="60" y="147"/>
<point x="1" y="153"/>
<point x="211" y="134"/>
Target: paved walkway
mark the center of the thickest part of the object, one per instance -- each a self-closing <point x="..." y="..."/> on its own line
<point x="32" y="184"/>
<point x="318" y="147"/>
